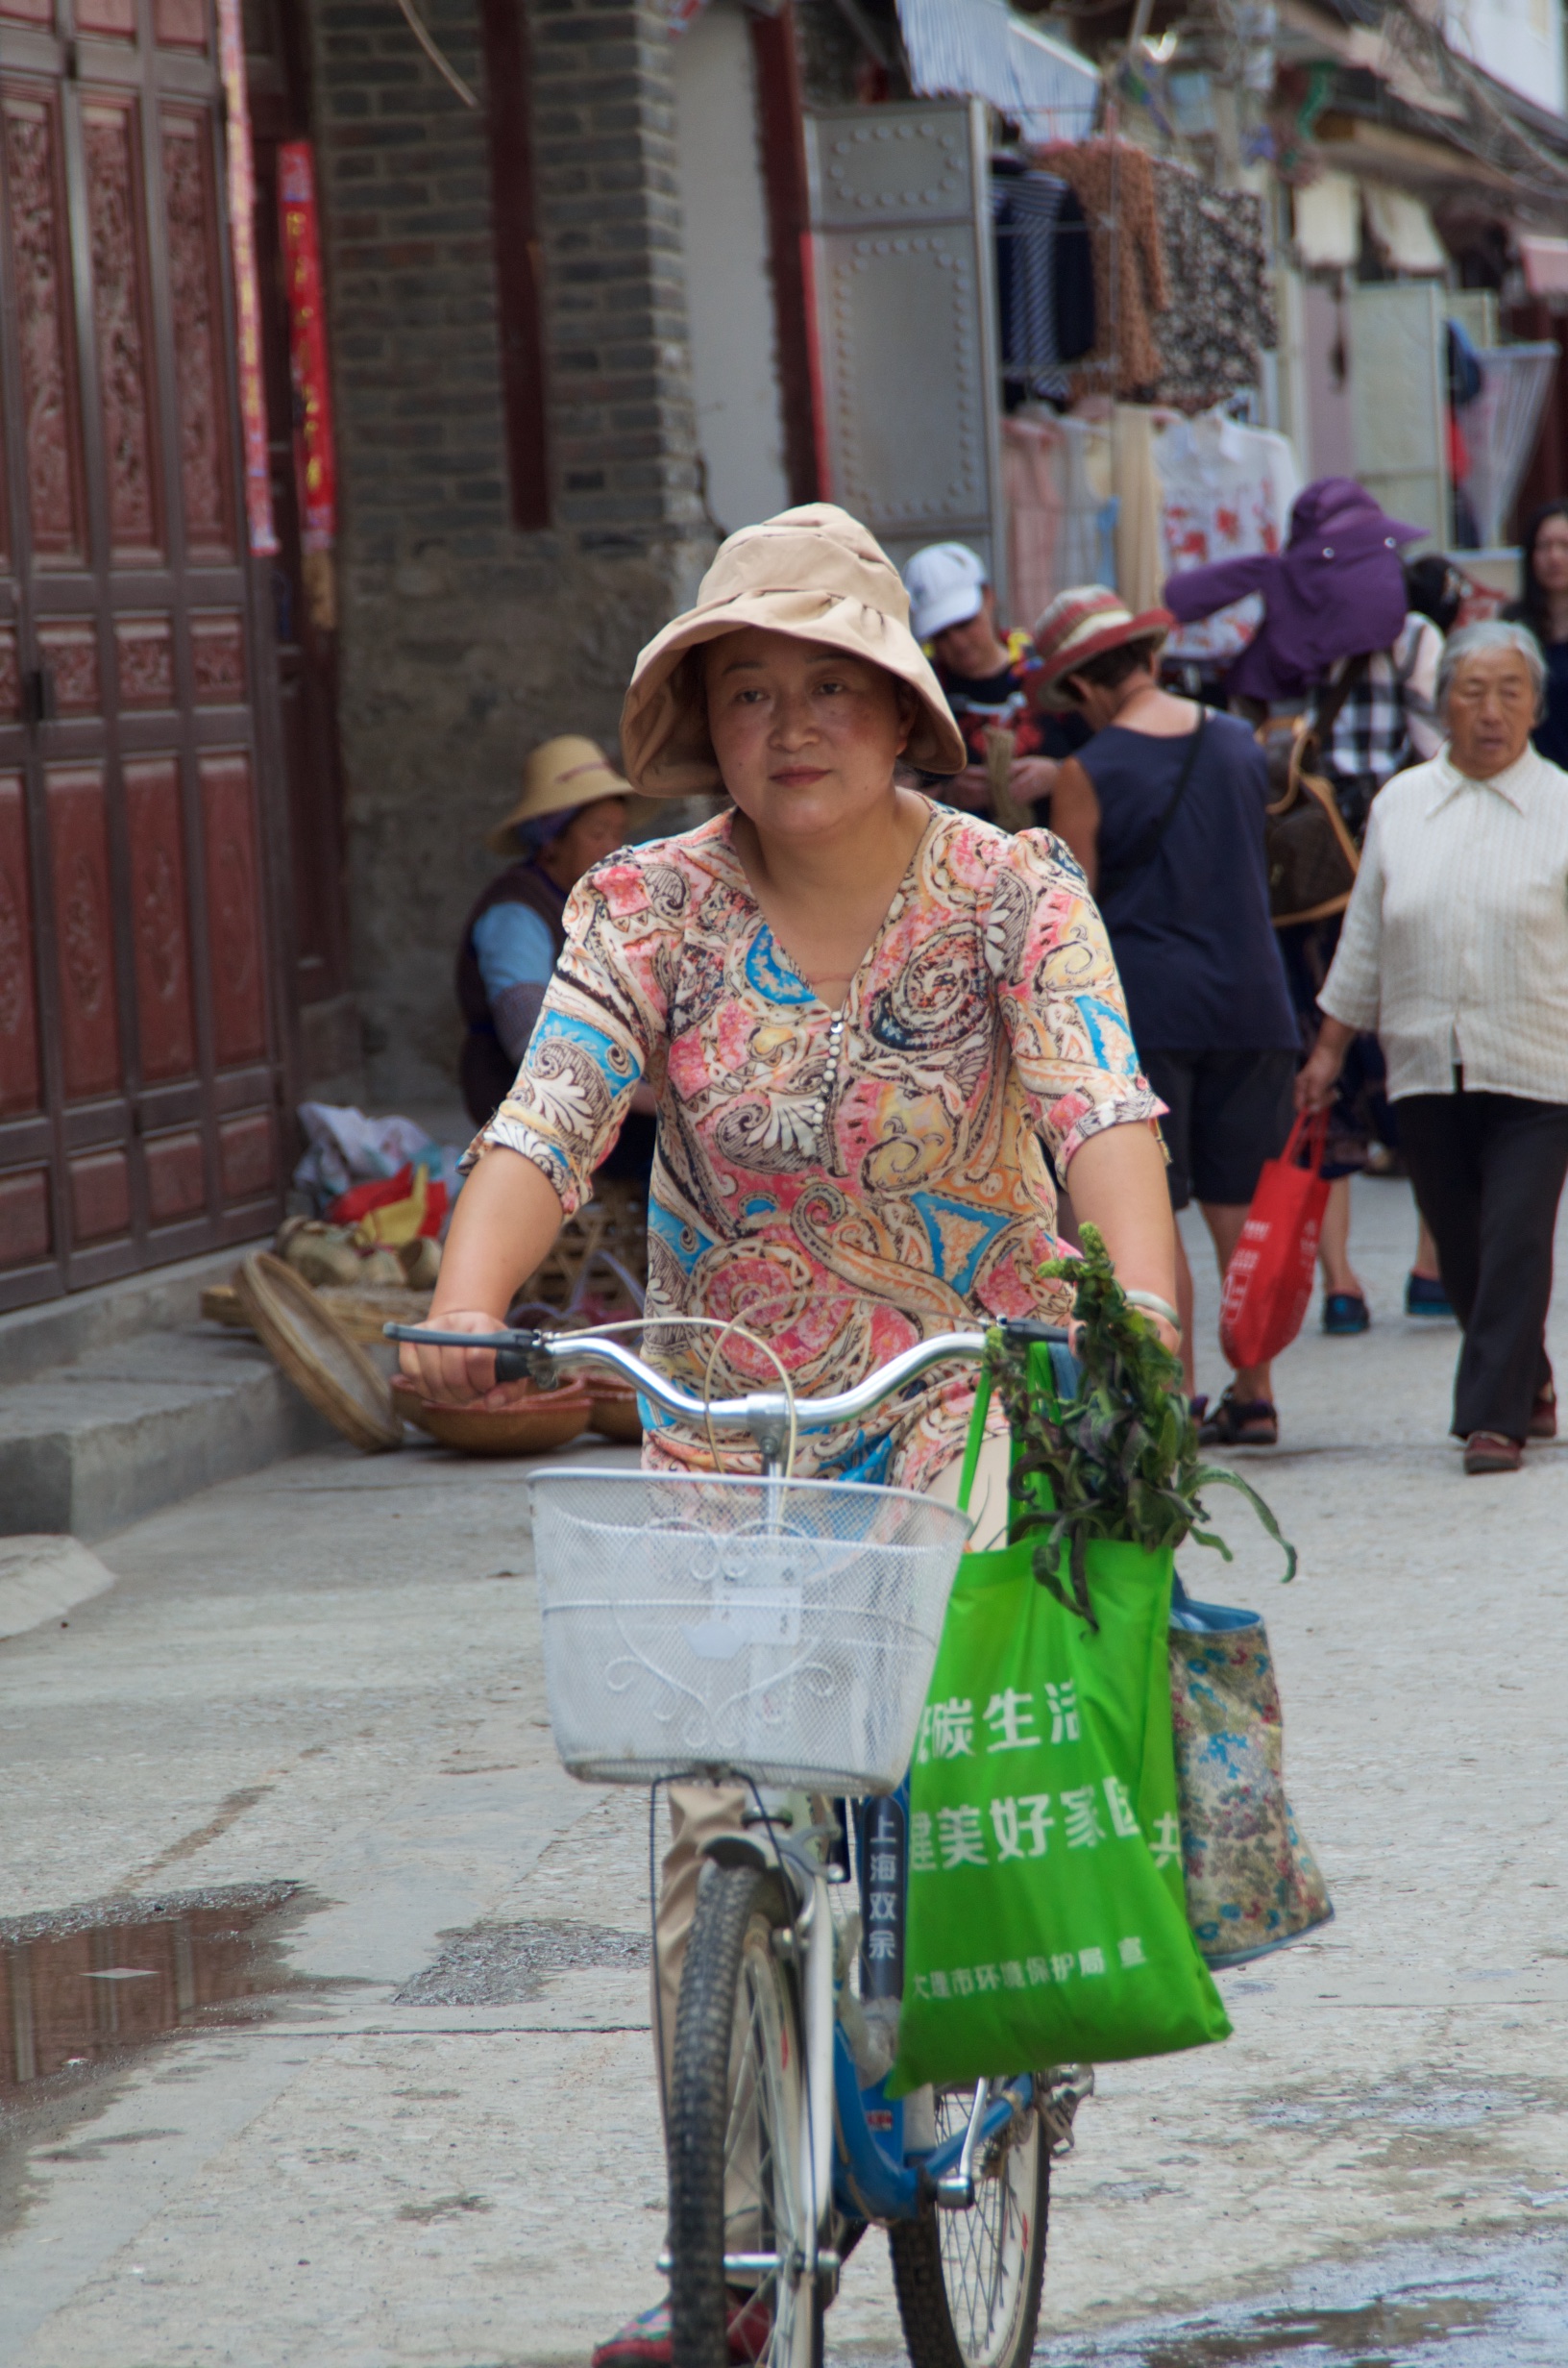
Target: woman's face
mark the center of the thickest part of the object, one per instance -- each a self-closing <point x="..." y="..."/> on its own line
<point x="1491" y="708"/>
<point x="806" y="738"/>
<point x="1549" y="556"/>
<point x="587" y="839"/>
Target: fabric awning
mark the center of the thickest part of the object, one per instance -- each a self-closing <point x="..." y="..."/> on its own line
<point x="979" y="49"/>
<point x="1545" y="262"/>
<point x="1327" y="217"/>
<point x="1402" y="227"/>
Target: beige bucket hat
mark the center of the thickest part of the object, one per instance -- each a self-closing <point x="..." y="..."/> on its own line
<point x="815" y="573"/>
<point x="561" y="774"/>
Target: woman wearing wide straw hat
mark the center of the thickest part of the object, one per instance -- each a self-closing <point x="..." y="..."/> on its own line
<point x="859" y="1011"/>
<point x="574" y="811"/>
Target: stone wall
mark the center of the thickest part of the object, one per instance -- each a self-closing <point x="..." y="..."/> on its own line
<point x="463" y="640"/>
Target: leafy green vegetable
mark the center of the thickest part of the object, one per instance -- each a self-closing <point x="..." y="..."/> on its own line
<point x="1120" y="1459"/>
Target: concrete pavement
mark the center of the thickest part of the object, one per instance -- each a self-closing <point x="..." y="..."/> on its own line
<point x="327" y="1673"/>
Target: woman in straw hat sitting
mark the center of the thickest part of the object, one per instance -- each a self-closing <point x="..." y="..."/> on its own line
<point x="859" y="1011"/>
<point x="574" y="811"/>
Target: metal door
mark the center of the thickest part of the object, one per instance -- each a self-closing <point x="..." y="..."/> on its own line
<point x="138" y="1083"/>
<point x="907" y="323"/>
<point x="1398" y="414"/>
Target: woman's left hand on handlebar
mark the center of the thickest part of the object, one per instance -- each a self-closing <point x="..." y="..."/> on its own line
<point x="455" y="1376"/>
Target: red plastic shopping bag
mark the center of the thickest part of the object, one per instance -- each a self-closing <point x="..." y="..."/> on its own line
<point x="1269" y="1279"/>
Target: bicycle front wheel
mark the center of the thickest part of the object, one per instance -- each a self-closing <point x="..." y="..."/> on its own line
<point x="738" y="2137"/>
<point x="968" y="2282"/>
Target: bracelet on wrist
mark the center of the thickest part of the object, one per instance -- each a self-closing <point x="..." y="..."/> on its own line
<point x="1154" y="1306"/>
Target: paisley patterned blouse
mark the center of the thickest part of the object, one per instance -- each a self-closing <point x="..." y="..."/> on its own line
<point x="845" y="1183"/>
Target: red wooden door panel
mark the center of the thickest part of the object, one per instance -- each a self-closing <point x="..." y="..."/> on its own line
<point x="144" y="662"/>
<point x="25" y="1231"/>
<point x="180" y="24"/>
<point x="20" y="1082"/>
<point x="117" y="19"/>
<point x="176" y="1176"/>
<point x="217" y="659"/>
<point x="246" y="1158"/>
<point x="233" y="914"/>
<point x="138" y="1091"/>
<point x="85" y="931"/>
<point x="119" y="320"/>
<point x="160" y="929"/>
<point x="41" y="269"/>
<point x="100" y="1185"/>
<point x="70" y="653"/>
<point x="190" y="217"/>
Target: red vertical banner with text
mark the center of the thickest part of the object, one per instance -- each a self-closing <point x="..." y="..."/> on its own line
<point x="315" y="463"/>
<point x="315" y="466"/>
<point x="253" y="400"/>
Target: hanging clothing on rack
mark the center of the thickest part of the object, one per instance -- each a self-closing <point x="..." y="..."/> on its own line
<point x="1086" y="550"/>
<point x="1141" y="556"/>
<point x="1045" y="279"/>
<point x="1222" y="315"/>
<point x="1034" y="466"/>
<point x="1114" y="183"/>
<point x="1228" y="492"/>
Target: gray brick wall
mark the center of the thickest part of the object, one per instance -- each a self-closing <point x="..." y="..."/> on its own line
<point x="464" y="641"/>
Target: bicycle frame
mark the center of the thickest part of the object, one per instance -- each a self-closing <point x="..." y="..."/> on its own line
<point x="873" y="2177"/>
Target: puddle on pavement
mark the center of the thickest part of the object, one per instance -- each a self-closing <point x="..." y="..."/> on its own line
<point x="507" y="1964"/>
<point x="1491" y="2303"/>
<point x="83" y="1988"/>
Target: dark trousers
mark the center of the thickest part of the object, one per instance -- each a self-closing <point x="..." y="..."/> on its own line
<point x="1488" y="1170"/>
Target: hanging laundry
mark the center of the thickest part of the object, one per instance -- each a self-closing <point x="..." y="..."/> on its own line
<point x="1328" y="222"/>
<point x="1045" y="279"/>
<point x="1221" y="314"/>
<point x="1141" y="556"/>
<point x="1114" y="183"/>
<point x="1228" y="492"/>
<point x="1085" y="552"/>
<point x="1034" y="490"/>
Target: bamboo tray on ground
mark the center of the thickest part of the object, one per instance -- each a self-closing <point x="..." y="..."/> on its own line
<point x="360" y="1312"/>
<point x="320" y="1359"/>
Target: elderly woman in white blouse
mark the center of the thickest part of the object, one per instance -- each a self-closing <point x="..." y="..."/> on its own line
<point x="1455" y="949"/>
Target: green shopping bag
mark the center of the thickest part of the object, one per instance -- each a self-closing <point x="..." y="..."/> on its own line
<point x="1046" y="1910"/>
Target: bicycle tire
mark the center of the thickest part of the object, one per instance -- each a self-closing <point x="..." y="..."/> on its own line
<point x="968" y="2282"/>
<point x="737" y="2113"/>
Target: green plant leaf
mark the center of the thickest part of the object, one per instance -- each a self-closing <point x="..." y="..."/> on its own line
<point x="1120" y="1460"/>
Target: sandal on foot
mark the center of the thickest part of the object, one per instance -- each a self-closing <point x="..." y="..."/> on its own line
<point x="647" y="2340"/>
<point x="1492" y="1451"/>
<point x="1233" y="1423"/>
<point x="1345" y="1312"/>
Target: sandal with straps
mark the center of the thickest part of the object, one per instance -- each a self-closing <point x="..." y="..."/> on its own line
<point x="1253" y="1422"/>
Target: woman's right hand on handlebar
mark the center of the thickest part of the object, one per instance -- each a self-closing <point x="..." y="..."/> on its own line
<point x="455" y="1376"/>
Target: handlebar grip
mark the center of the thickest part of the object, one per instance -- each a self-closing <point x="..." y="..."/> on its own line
<point x="513" y="1364"/>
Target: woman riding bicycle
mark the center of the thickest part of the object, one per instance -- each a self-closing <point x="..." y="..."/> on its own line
<point x="860" y="1011"/>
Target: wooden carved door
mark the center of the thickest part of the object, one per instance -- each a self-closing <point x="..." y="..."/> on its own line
<point x="139" y="1080"/>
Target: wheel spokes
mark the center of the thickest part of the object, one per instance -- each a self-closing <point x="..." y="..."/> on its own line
<point x="760" y="2165"/>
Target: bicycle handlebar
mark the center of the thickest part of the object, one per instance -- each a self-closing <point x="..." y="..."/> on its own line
<point x="533" y="1355"/>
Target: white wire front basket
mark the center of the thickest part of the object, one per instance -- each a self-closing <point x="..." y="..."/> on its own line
<point x="697" y="1626"/>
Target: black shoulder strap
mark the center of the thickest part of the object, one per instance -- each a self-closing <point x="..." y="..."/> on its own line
<point x="1154" y="838"/>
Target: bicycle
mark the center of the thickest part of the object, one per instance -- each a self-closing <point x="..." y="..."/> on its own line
<point x="767" y="2094"/>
